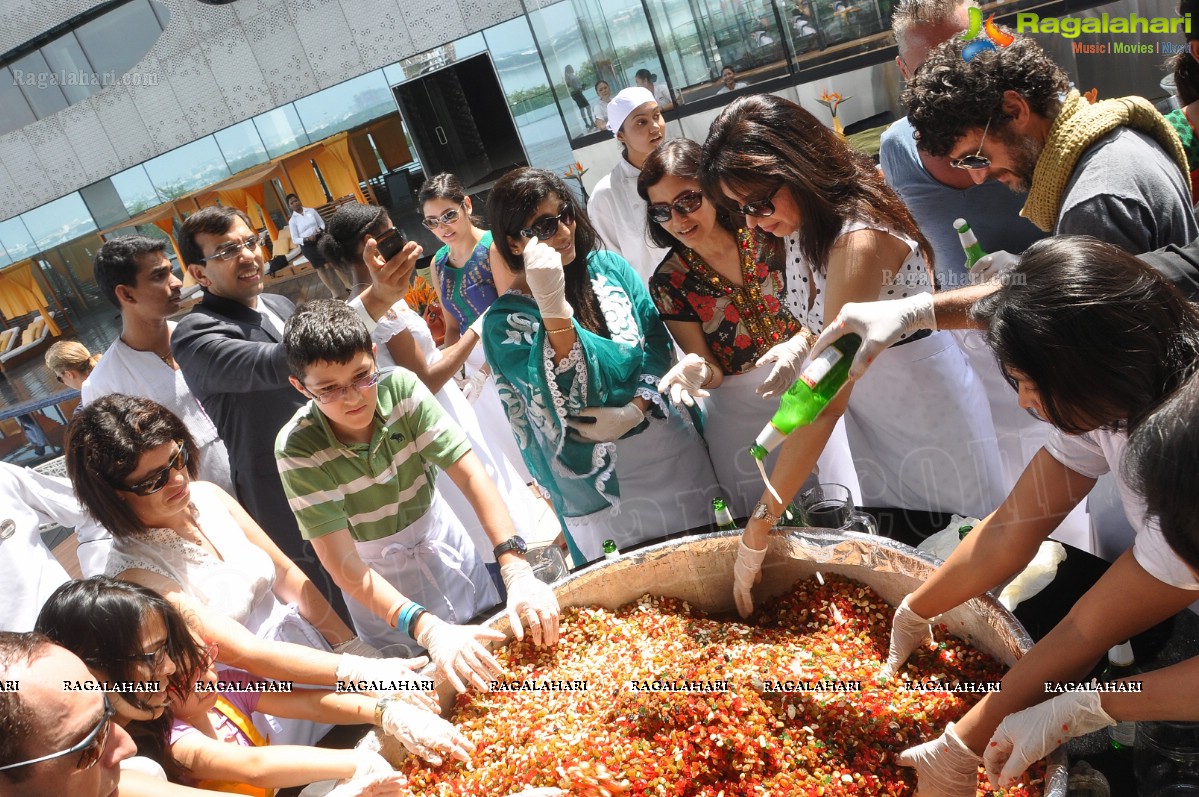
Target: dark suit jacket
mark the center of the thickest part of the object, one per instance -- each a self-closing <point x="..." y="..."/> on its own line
<point x="237" y="369"/>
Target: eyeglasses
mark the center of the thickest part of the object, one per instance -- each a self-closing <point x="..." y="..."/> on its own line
<point x="230" y="251"/>
<point x="152" y="659"/>
<point x="762" y="208"/>
<point x="547" y="227"/>
<point x="685" y="205"/>
<point x="339" y="393"/>
<point x="90" y="748"/>
<point x="977" y="160"/>
<point x="156" y="481"/>
<point x="447" y="218"/>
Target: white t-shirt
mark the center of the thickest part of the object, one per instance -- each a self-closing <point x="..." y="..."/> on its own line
<point x="1095" y="453"/>
<point x="618" y="213"/>
<point x="28" y="570"/>
<point x="737" y="86"/>
<point x="143" y="373"/>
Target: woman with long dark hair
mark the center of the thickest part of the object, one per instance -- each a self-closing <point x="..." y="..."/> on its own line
<point x="133" y="464"/>
<point x="1093" y="340"/>
<point x="578" y="350"/>
<point x="404" y="339"/>
<point x="722" y="294"/>
<point x="848" y="237"/>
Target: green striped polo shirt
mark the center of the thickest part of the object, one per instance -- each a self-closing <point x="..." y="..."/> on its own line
<point x="373" y="489"/>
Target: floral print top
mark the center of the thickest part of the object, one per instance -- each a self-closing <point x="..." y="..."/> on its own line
<point x="740" y="323"/>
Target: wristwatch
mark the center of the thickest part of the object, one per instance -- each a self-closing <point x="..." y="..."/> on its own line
<point x="762" y="512"/>
<point x="513" y="543"/>
<point x="381" y="708"/>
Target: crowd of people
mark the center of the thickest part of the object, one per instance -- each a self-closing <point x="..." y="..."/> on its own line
<point x="321" y="494"/>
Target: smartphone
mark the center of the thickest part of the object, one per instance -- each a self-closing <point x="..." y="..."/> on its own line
<point x="390" y="243"/>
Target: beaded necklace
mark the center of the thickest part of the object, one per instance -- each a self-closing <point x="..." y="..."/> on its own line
<point x="764" y="328"/>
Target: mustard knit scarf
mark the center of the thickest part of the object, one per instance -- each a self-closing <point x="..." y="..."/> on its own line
<point x="1076" y="128"/>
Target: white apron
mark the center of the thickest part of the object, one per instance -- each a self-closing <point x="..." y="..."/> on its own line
<point x="491" y="415"/>
<point x="432" y="562"/>
<point x="734" y="415"/>
<point x="921" y="432"/>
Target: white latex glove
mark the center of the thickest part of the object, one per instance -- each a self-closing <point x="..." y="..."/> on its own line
<point x="357" y="647"/>
<point x="476" y="326"/>
<point x="359" y="668"/>
<point x="371" y="763"/>
<point x="607" y="423"/>
<point x="390" y="784"/>
<point x="908" y="632"/>
<point x="1030" y="735"/>
<point x="995" y="264"/>
<point x="683" y="383"/>
<point x="945" y="767"/>
<point x="535" y="599"/>
<point x="474" y="385"/>
<point x="547" y="280"/>
<point x="457" y="651"/>
<point x="880" y="324"/>
<point x="425" y="734"/>
<point x="787" y="359"/>
<point x="747" y="571"/>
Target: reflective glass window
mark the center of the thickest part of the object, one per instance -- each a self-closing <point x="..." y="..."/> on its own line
<point x="135" y="189"/>
<point x="104" y="203"/>
<point x="345" y="105"/>
<point x="241" y="145"/>
<point x="119" y="38"/>
<point x="39" y="84"/>
<point x="15" y="112"/>
<point x="56" y="222"/>
<point x="18" y="243"/>
<point x="66" y="58"/>
<point x="281" y="131"/>
<point x="188" y="168"/>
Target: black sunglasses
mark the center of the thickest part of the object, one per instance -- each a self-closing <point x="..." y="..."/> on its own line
<point x="548" y="227"/>
<point x="977" y="160"/>
<point x="90" y="748"/>
<point x="760" y="209"/>
<point x="685" y="205"/>
<point x="156" y="481"/>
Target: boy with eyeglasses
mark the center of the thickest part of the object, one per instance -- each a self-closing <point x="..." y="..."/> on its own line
<point x="359" y="465"/>
<point x="230" y="350"/>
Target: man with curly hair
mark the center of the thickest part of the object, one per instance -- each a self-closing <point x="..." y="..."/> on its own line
<point x="1113" y="169"/>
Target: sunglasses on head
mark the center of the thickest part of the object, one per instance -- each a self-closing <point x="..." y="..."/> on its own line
<point x="447" y="218"/>
<point x="977" y="160"/>
<point x="90" y="748"/>
<point x="548" y="227"/>
<point x="685" y="205"/>
<point x="156" y="481"/>
<point x="760" y="209"/>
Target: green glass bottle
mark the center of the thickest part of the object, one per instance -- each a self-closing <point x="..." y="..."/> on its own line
<point x="974" y="252"/>
<point x="724" y="518"/>
<point x="610" y="549"/>
<point x="815" y="388"/>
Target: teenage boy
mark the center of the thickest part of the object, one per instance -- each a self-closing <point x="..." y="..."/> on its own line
<point x="359" y="464"/>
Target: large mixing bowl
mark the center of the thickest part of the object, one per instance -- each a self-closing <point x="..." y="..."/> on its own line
<point x="699" y="570"/>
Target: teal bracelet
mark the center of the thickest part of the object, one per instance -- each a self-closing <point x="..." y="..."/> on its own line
<point x="407" y="616"/>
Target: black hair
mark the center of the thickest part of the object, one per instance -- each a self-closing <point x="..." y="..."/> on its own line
<point x="116" y="262"/>
<point x="214" y="220"/>
<point x="17" y="716"/>
<point x="1187" y="8"/>
<point x="679" y="157"/>
<point x="289" y="197"/>
<point x="100" y="620"/>
<point x="1161" y="462"/>
<point x="645" y="74"/>
<point x="1103" y="336"/>
<point x="105" y="439"/>
<point x="513" y="200"/>
<point x="346" y="229"/>
<point x="326" y="330"/>
<point x="1185" y="69"/>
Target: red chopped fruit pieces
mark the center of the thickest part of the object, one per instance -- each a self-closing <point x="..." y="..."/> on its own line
<point x="786" y="705"/>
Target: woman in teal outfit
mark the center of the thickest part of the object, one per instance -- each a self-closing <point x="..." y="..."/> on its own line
<point x="578" y="350"/>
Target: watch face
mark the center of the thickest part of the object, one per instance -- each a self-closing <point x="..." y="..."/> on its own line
<point x="514" y="543"/>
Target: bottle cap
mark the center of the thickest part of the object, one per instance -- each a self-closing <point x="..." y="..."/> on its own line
<point x="718" y="503"/>
<point x="609" y="546"/>
<point x="1121" y="655"/>
<point x="960" y="225"/>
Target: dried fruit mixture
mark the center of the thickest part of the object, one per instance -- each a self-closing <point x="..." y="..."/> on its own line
<point x="765" y="735"/>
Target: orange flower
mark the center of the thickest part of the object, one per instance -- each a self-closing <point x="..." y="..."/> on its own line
<point x="1092" y="95"/>
<point x="419" y="295"/>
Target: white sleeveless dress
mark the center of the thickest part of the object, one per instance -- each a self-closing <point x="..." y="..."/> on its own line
<point x="237" y="585"/>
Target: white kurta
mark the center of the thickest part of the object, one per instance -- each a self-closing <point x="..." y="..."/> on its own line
<point x="144" y="374"/>
<point x="618" y="214"/>
<point x="238" y="584"/>
<point x="496" y="448"/>
<point x="918" y="422"/>
<point x="28" y="570"/>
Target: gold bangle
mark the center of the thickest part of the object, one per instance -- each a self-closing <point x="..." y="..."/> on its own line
<point x="711" y="374"/>
<point x="561" y="331"/>
<point x="381" y="709"/>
